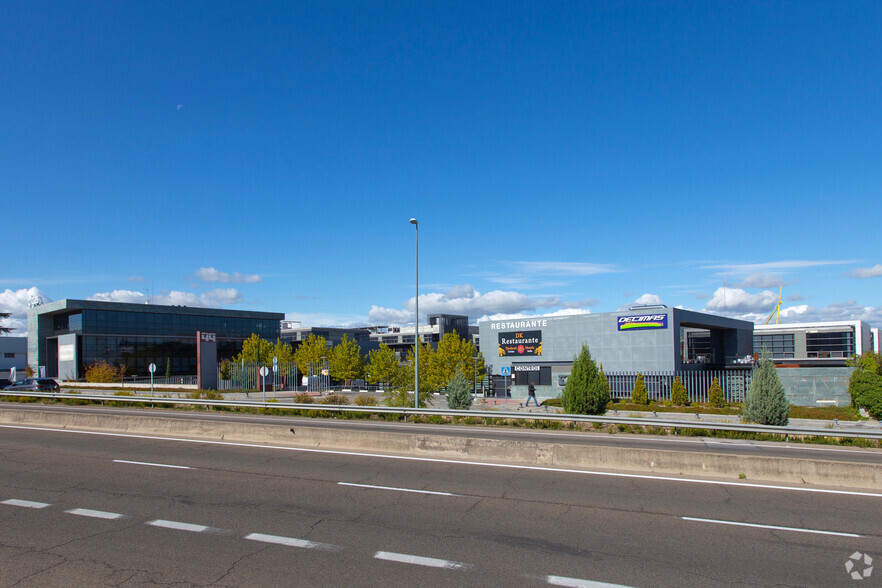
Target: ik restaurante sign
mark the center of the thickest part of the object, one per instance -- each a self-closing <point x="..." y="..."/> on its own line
<point x="520" y="343"/>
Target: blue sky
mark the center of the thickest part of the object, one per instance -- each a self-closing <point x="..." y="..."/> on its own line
<point x="560" y="157"/>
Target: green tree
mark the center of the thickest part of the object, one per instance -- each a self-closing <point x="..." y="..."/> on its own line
<point x="225" y="371"/>
<point x="384" y="368"/>
<point x="587" y="389"/>
<point x="679" y="396"/>
<point x="639" y="395"/>
<point x="766" y="402"/>
<point x="310" y="351"/>
<point x="5" y="330"/>
<point x="459" y="395"/>
<point x="346" y="362"/>
<point x="256" y="350"/>
<point x="715" y="396"/>
<point x="453" y="353"/>
<point x="865" y="384"/>
<point x="426" y="383"/>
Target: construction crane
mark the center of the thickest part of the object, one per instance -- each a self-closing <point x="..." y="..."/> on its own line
<point x="777" y="312"/>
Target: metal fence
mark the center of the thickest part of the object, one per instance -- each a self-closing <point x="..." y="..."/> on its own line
<point x="241" y="375"/>
<point x="163" y="380"/>
<point x="734" y="383"/>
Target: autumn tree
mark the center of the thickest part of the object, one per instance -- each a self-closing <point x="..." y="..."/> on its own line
<point x="310" y="351"/>
<point x="346" y="362"/>
<point x="639" y="395"/>
<point x="384" y="368"/>
<point x="453" y="353"/>
<point x="256" y="350"/>
<point x="679" y="396"/>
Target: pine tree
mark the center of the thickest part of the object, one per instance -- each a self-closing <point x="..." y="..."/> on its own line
<point x="679" y="396"/>
<point x="639" y="395"/>
<point x="766" y="402"/>
<point x="459" y="396"/>
<point x="586" y="390"/>
<point x="715" y="396"/>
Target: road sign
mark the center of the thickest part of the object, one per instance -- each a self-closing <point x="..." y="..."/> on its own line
<point x="264" y="371"/>
<point x="151" y="368"/>
<point x="505" y="371"/>
<point x="275" y="360"/>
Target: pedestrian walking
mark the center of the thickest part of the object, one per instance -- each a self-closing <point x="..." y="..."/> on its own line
<point x="531" y="393"/>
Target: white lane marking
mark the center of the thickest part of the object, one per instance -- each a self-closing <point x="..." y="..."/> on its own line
<point x="25" y="503"/>
<point x="289" y="541"/>
<point x="156" y="465"/>
<point x="95" y="514"/>
<point x="772" y="527"/>
<point x="579" y="583"/>
<point x="458" y="462"/>
<point x="178" y="526"/>
<point x="421" y="561"/>
<point x="397" y="489"/>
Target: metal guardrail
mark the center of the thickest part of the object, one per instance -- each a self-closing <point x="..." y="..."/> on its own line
<point x="494" y="414"/>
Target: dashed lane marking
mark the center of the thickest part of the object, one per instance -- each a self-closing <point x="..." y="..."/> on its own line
<point x="579" y="583"/>
<point x="95" y="514"/>
<point x="417" y="560"/>
<point x="156" y="465"/>
<point x="25" y="503"/>
<point x="178" y="526"/>
<point x="289" y="541"/>
<point x="393" y="488"/>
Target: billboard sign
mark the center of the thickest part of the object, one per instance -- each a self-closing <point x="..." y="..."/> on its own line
<point x="643" y="322"/>
<point x="520" y="343"/>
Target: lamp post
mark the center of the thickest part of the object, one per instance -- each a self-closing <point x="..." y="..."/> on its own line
<point x="416" y="352"/>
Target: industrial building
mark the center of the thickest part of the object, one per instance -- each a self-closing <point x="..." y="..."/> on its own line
<point x="642" y="339"/>
<point x="67" y="335"/>
<point x="816" y="344"/>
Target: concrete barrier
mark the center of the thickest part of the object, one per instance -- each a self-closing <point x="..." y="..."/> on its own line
<point x="439" y="445"/>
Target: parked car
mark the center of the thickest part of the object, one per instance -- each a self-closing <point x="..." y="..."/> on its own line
<point x="36" y="385"/>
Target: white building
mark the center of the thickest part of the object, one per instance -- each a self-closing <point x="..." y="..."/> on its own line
<point x="815" y="344"/>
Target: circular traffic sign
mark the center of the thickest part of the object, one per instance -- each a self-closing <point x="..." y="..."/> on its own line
<point x="151" y="368"/>
<point x="264" y="370"/>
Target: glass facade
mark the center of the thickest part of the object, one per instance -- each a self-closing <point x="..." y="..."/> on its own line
<point x="137" y="339"/>
<point x="829" y="344"/>
<point x="778" y="345"/>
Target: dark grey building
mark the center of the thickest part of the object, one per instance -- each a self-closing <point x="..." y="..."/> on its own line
<point x="67" y="335"/>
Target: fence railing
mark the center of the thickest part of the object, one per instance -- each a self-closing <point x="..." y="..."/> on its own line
<point x="163" y="380"/>
<point x="491" y="414"/>
<point x="239" y="375"/>
<point x="734" y="383"/>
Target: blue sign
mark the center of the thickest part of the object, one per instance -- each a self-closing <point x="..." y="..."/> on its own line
<point x="643" y="322"/>
<point x="505" y="371"/>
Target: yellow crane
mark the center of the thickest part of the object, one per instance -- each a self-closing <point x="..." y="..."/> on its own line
<point x="777" y="312"/>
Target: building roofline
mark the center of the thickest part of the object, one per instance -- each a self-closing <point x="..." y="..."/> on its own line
<point x="73" y="304"/>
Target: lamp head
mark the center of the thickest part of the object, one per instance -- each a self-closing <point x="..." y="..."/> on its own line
<point x="413" y="221"/>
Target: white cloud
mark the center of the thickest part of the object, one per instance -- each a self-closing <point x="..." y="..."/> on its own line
<point x="211" y="299"/>
<point x="563" y="268"/>
<point x="209" y="274"/>
<point x="862" y="273"/>
<point x="731" y="301"/>
<point x="759" y="280"/>
<point x="644" y="300"/>
<point x="15" y="302"/>
<point x="467" y="301"/>
<point x="746" y="269"/>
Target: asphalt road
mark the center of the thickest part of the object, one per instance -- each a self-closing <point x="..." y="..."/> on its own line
<point x="81" y="509"/>
<point x="670" y="443"/>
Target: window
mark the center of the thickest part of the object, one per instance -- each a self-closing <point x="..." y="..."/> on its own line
<point x="778" y="345"/>
<point x="829" y="344"/>
<point x="9" y="355"/>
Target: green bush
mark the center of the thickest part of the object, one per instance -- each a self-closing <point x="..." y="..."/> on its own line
<point x="459" y="396"/>
<point x="303" y="398"/>
<point x="639" y="395"/>
<point x="551" y="402"/>
<point x="679" y="396"/>
<point x="766" y="402"/>
<point x="715" y="396"/>
<point x="338" y="399"/>
<point x="865" y="387"/>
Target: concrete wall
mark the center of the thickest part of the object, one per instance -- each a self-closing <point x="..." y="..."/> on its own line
<point x="806" y="386"/>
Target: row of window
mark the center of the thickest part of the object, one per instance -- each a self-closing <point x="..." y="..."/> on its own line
<point x="150" y="323"/>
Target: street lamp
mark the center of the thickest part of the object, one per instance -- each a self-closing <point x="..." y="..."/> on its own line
<point x="416" y="353"/>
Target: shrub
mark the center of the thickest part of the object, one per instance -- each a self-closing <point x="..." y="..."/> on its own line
<point x="587" y="389"/>
<point x="551" y="402"/>
<point x="679" y="395"/>
<point x="365" y="400"/>
<point x="459" y="396"/>
<point x="715" y="396"/>
<point x="303" y="398"/>
<point x="339" y="399"/>
<point x="766" y="402"/>
<point x="102" y="372"/>
<point x="865" y="385"/>
<point x="639" y="394"/>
